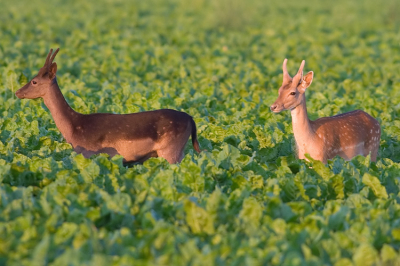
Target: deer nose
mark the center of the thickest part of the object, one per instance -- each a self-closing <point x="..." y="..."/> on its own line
<point x="19" y="94"/>
<point x="273" y="107"/>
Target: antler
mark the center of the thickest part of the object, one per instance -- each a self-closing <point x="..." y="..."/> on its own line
<point x="49" y="60"/>
<point x="53" y="56"/>
<point x="286" y="76"/>
<point x="299" y="74"/>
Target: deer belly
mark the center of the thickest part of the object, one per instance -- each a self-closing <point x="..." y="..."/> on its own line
<point x="88" y="152"/>
<point x="134" y="150"/>
<point x="347" y="152"/>
<point x="351" y="151"/>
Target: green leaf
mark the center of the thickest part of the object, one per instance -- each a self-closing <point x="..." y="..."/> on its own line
<point x="365" y="255"/>
<point x="322" y="170"/>
<point x="251" y="214"/>
<point x="337" y="184"/>
<point x="338" y="219"/>
<point x="198" y="219"/>
<point x="39" y="256"/>
<point x="344" y="262"/>
<point x="388" y="254"/>
<point x="375" y="185"/>
<point x="90" y="171"/>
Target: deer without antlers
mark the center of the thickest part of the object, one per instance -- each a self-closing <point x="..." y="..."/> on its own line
<point x="137" y="136"/>
<point x="347" y="135"/>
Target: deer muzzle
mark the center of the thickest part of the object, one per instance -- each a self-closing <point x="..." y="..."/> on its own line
<point x="277" y="108"/>
<point x="20" y="94"/>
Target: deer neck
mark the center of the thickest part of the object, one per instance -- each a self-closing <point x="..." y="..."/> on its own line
<point x="64" y="116"/>
<point x="302" y="130"/>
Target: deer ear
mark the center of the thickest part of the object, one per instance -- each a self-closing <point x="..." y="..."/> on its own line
<point x="53" y="70"/>
<point x="305" y="81"/>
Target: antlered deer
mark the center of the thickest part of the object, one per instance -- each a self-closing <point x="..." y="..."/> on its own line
<point x="136" y="136"/>
<point x="347" y="135"/>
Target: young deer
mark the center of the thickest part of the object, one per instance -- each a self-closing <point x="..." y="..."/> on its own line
<point x="136" y="136"/>
<point x="347" y="135"/>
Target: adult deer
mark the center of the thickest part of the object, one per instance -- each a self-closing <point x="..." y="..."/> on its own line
<point x="136" y="136"/>
<point x="347" y="135"/>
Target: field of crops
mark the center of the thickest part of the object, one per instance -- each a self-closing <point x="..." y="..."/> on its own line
<point x="247" y="200"/>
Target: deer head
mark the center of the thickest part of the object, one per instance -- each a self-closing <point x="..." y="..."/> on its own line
<point x="40" y="84"/>
<point x="291" y="93"/>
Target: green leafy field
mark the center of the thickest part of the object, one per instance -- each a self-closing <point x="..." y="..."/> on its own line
<point x="246" y="200"/>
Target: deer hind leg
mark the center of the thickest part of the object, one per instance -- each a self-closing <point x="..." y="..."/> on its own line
<point x="172" y="148"/>
<point x="372" y="149"/>
<point x="374" y="152"/>
<point x="375" y="148"/>
<point x="174" y="151"/>
<point x="172" y="154"/>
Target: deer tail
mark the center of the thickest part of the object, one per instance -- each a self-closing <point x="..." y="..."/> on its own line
<point x="195" y="142"/>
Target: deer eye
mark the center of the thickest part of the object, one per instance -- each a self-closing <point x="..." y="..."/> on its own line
<point x="293" y="93"/>
<point x="34" y="82"/>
